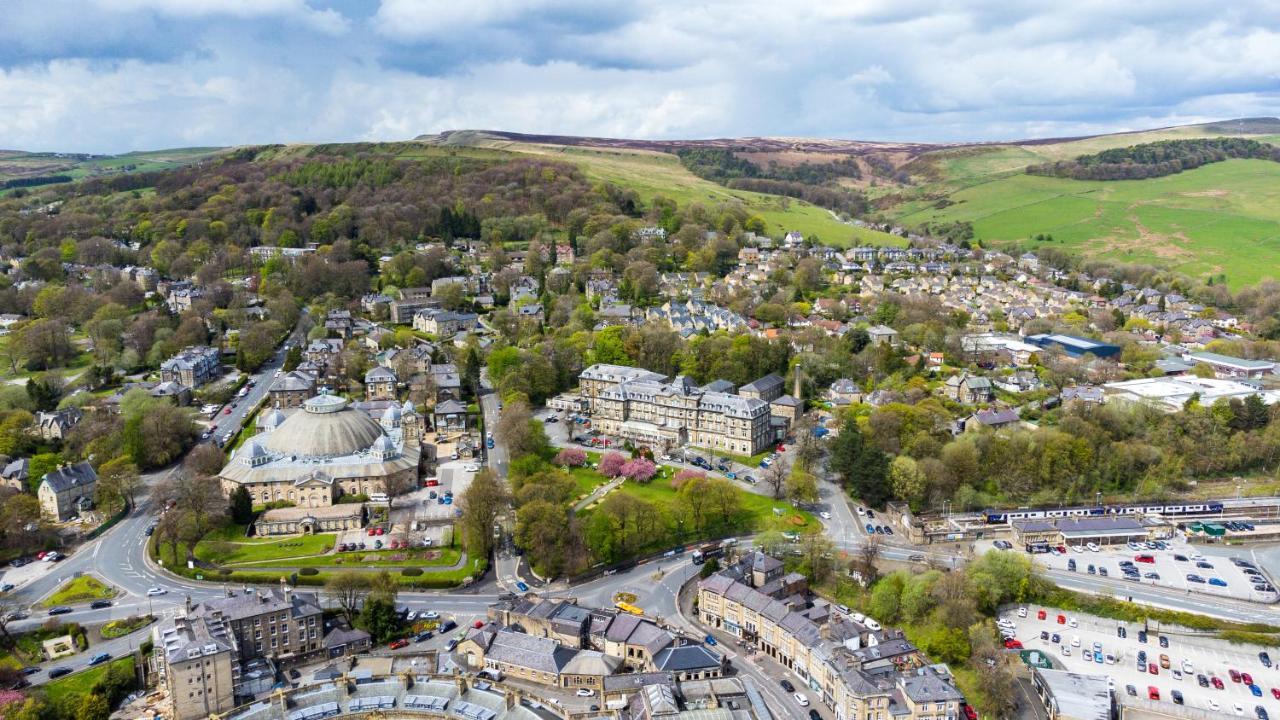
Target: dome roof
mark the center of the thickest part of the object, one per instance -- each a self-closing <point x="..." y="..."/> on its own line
<point x="326" y="427"/>
<point x="271" y="420"/>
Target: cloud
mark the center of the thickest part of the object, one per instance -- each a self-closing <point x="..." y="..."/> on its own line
<point x="110" y="75"/>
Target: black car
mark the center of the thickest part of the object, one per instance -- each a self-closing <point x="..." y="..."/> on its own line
<point x="1044" y="635"/>
<point x="1142" y="636"/>
<point x="1177" y="697"/>
<point x="1202" y="681"/>
<point x="814" y="714"/>
<point x="1071" y="565"/>
<point x="1264" y="658"/>
<point x="150" y="529"/>
<point x="1133" y="691"/>
<point x="1142" y="656"/>
<point x="423" y="636"/>
<point x="786" y="685"/>
<point x="30" y="670"/>
<point x="447" y="625"/>
<point x="1180" y="558"/>
<point x="1260" y="711"/>
<point x="59" y="672"/>
<point x="1121" y="632"/>
<point x="60" y="610"/>
<point x="99" y="604"/>
<point x="1164" y="641"/>
<point x="19" y="562"/>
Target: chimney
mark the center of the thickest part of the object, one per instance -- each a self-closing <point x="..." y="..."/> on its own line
<point x="188" y="606"/>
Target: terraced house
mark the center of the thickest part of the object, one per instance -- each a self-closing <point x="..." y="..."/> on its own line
<point x="860" y="671"/>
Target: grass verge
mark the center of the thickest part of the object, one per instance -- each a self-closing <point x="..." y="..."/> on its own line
<point x="85" y="588"/>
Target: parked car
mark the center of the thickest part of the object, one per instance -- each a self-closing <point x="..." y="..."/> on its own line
<point x="59" y="672"/>
<point x="59" y="610"/>
<point x="397" y="644"/>
<point x="99" y="659"/>
<point x="99" y="604"/>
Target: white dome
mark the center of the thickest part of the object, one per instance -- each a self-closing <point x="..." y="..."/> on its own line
<point x="325" y="428"/>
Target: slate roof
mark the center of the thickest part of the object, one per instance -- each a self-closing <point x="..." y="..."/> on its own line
<point x="685" y="658"/>
<point x="765" y="384"/>
<point x="69" y="477"/>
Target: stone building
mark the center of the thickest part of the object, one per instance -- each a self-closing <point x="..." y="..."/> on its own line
<point x="198" y="664"/>
<point x="193" y="366"/>
<point x="67" y="491"/>
<point x="310" y="520"/>
<point x="325" y="450"/>
<point x="380" y="383"/>
<point x="292" y="389"/>
<point x="641" y="406"/>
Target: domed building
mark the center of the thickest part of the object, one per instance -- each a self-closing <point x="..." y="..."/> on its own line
<point x="326" y="449"/>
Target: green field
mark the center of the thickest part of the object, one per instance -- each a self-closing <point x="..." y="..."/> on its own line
<point x="24" y="164"/>
<point x="444" y="557"/>
<point x="1222" y="218"/>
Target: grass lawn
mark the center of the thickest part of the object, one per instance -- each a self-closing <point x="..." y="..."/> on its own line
<point x="120" y="628"/>
<point x="77" y="590"/>
<point x="378" y="558"/>
<point x="752" y="462"/>
<point x="221" y="551"/>
<point x="79" y="683"/>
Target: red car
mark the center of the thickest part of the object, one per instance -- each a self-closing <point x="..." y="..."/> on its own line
<point x="226" y="411"/>
<point x="1062" y="619"/>
<point x="1153" y="692"/>
<point x="1275" y="693"/>
<point x="1041" y="615"/>
<point x="431" y="482"/>
<point x="1153" y="669"/>
<point x="1217" y="682"/>
<point x="1012" y="644"/>
<point x="1235" y="675"/>
<point x="378" y="531"/>
<point x="371" y="533"/>
<point x="397" y="644"/>
<point x="1144" y="558"/>
<point x="1247" y="678"/>
<point x="969" y="712"/>
<point x="1062" y="549"/>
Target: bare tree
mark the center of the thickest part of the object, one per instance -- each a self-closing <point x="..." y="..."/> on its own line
<point x="864" y="561"/>
<point x="349" y="589"/>
<point x="775" y="478"/>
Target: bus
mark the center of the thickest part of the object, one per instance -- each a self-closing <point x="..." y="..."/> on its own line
<point x="628" y="608"/>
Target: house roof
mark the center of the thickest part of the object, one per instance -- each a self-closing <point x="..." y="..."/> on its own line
<point x="70" y="477"/>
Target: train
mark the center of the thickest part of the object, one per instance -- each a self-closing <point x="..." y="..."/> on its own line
<point x="1184" y="509"/>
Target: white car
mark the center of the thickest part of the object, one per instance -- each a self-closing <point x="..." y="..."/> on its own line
<point x="472" y="468"/>
<point x="1239" y="709"/>
<point x="1022" y="612"/>
<point x="1213" y="705"/>
<point x="1072" y="622"/>
<point x="1092" y="547"/>
<point x="1187" y="667"/>
<point x="431" y="615"/>
<point x="1075" y="641"/>
<point x="1066" y="651"/>
<point x="152" y="592"/>
<point x="585" y="692"/>
<point x="1077" y="548"/>
<point x="801" y="700"/>
<point x="861" y="511"/>
<point x="411" y="615"/>
<point x="824" y="515"/>
<point x="1006" y="623"/>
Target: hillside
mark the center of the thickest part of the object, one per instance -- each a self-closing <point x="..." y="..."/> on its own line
<point x="36" y="168"/>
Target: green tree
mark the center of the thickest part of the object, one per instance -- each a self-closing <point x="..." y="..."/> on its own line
<point x="349" y="589"/>
<point x="240" y="506"/>
<point x="93" y="707"/>
<point x="907" y="480"/>
<point x="41" y="465"/>
<point x="484" y="500"/>
<point x="379" y="619"/>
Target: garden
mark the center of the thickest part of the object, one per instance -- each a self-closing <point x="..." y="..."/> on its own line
<point x="84" y="588"/>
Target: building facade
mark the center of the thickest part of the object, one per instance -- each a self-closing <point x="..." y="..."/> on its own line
<point x="641" y="406"/>
<point x="193" y="366"/>
<point x="67" y="491"/>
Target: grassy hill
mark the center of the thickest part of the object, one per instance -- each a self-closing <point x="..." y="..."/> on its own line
<point x="18" y="165"/>
<point x="651" y="173"/>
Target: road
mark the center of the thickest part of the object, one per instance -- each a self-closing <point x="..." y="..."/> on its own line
<point x="242" y="408"/>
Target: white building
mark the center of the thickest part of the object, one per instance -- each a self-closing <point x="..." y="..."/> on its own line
<point x="1171" y="393"/>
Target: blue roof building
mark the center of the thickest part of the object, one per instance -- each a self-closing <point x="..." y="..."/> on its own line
<point x="1075" y="346"/>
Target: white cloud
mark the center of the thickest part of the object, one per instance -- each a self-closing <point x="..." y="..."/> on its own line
<point x="107" y="75"/>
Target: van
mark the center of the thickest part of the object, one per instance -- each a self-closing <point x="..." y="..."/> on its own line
<point x="859" y="617"/>
<point x="872" y="624"/>
<point x="447" y="625"/>
<point x="378" y="497"/>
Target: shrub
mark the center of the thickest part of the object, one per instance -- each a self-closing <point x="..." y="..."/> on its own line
<point x="611" y="464"/>
<point x="411" y="572"/>
<point x="571" y="457"/>
<point x="308" y="571"/>
<point x="685" y="476"/>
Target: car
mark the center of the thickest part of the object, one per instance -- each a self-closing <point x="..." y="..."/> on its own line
<point x="1193" y="578"/>
<point x="1153" y="693"/>
<point x="1121" y="632"/>
<point x="860" y="511"/>
<point x="1153" y="668"/>
<point x="1261" y="712"/>
<point x="1071" y="565"/>
<point x="1055" y="638"/>
<point x="1133" y="691"/>
<point x="1072" y="623"/>
<point x="59" y="672"/>
<point x="1066" y="651"/>
<point x="1075" y="641"/>
<point x="1216" y="682"/>
<point x="1012" y="644"/>
<point x="1265" y="659"/>
<point x="1093" y="547"/>
<point x="1202" y="680"/>
<point x="1164" y="661"/>
<point x="786" y="685"/>
<point x="430" y="615"/>
<point x="521" y="586"/>
<point x="1092" y="570"/>
<point x="1257" y="691"/>
<point x="1044" y="635"/>
<point x="397" y="644"/>
<point x="1145" y="558"/>
<point x="824" y="515"/>
<point x="1212" y="704"/>
<point x="1177" y="697"/>
<point x="411" y="615"/>
<point x="226" y="411"/>
<point x="1238" y="708"/>
<point x="99" y="604"/>
<point x="1235" y="675"/>
<point x="1275" y="693"/>
<point x="152" y="592"/>
<point x="585" y="692"/>
<point x="1177" y="674"/>
<point x="871" y="529"/>
<point x="99" y="659"/>
<point x="1151" y="575"/>
<point x="1180" y="558"/>
<point x="1164" y="641"/>
<point x="1062" y="619"/>
<point x="59" y="610"/>
<point x="423" y="636"/>
<point x="1102" y="571"/>
<point x="1205" y="565"/>
<point x="1217" y="582"/>
<point x="801" y="700"/>
<point x="815" y="715"/>
<point x="1246" y="678"/>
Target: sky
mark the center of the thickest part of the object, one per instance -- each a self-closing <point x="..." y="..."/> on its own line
<point x="110" y="76"/>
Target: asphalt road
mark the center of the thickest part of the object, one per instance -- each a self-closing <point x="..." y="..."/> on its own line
<point x="224" y="422"/>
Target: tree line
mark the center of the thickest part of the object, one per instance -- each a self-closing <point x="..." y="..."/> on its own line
<point x="1156" y="159"/>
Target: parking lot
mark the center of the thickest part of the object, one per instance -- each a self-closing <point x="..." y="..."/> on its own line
<point x="1177" y="566"/>
<point x="1189" y="664"/>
